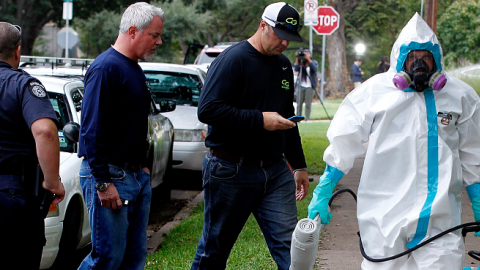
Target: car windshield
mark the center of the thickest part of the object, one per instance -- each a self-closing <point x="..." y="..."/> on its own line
<point x="183" y="88"/>
<point x="204" y="58"/>
<point x="63" y="117"/>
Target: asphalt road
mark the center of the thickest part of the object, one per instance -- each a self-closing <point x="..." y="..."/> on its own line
<point x="185" y="185"/>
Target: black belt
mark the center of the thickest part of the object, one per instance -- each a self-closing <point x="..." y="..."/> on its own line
<point x="128" y="166"/>
<point x="245" y="161"/>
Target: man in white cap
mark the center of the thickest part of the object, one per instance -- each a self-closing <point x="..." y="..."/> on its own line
<point x="422" y="127"/>
<point x="246" y="100"/>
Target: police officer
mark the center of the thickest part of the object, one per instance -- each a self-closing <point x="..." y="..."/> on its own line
<point x="28" y="137"/>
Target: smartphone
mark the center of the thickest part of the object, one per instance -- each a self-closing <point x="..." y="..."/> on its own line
<point x="296" y="118"/>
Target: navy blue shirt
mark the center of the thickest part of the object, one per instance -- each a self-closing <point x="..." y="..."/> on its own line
<point x="242" y="83"/>
<point x="115" y="111"/>
<point x="356" y="73"/>
<point x="23" y="100"/>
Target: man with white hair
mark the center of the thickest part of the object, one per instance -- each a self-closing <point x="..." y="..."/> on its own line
<point x="114" y="125"/>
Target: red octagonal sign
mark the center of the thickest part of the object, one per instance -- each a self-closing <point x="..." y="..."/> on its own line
<point x="328" y="20"/>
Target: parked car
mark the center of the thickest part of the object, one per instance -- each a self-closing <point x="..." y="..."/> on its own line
<point x="181" y="84"/>
<point x="160" y="130"/>
<point x="53" y="66"/>
<point x="67" y="226"/>
<point x="206" y="55"/>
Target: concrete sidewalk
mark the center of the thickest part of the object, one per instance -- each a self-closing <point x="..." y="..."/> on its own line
<point x="339" y="249"/>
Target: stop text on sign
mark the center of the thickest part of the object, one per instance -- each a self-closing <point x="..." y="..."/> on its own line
<point x="327" y="20"/>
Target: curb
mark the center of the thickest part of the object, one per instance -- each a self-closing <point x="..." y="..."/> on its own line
<point x="157" y="238"/>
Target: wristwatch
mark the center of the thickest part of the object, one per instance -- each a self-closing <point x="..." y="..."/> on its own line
<point x="101" y="186"/>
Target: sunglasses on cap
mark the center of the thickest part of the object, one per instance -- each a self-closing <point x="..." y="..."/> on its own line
<point x="292" y="25"/>
<point x="20" y="31"/>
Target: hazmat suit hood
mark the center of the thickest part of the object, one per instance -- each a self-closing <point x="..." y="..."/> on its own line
<point x="416" y="35"/>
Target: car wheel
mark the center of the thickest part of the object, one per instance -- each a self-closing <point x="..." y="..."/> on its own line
<point x="70" y="235"/>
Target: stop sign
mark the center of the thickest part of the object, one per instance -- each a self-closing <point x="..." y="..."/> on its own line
<point x="328" y="20"/>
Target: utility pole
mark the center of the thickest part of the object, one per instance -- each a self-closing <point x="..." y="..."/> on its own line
<point x="431" y="14"/>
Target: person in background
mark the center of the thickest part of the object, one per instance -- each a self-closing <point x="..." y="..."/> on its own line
<point x="423" y="128"/>
<point x="246" y="100"/>
<point x="114" y="174"/>
<point x="383" y="65"/>
<point x="28" y="138"/>
<point x="306" y="84"/>
<point x="357" y="73"/>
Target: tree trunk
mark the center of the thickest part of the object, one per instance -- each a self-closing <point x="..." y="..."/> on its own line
<point x="32" y="17"/>
<point x="339" y="82"/>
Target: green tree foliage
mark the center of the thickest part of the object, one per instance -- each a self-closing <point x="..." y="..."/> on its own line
<point x="377" y="25"/>
<point x="98" y="32"/>
<point x="233" y="20"/>
<point x="182" y="26"/>
<point x="459" y="33"/>
<point x="32" y="15"/>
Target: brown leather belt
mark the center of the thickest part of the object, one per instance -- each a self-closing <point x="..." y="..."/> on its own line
<point x="245" y="161"/>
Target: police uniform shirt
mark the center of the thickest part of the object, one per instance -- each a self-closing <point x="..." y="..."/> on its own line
<point x="23" y="100"/>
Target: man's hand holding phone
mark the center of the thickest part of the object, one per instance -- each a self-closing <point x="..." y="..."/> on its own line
<point x="296" y="118"/>
<point x="274" y="121"/>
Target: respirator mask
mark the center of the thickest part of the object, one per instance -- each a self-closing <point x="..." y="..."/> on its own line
<point x="417" y="73"/>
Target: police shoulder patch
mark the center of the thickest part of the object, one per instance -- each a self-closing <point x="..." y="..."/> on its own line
<point x="37" y="90"/>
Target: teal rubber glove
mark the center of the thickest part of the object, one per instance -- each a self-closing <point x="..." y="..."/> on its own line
<point x="474" y="194"/>
<point x="319" y="203"/>
<point x="476" y="211"/>
<point x="323" y="193"/>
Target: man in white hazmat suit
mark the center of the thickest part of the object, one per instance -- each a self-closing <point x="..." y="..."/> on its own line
<point x="423" y="132"/>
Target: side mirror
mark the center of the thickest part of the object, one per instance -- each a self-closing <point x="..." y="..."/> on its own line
<point x="71" y="131"/>
<point x="167" y="105"/>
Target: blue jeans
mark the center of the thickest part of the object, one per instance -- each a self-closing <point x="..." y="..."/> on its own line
<point x="119" y="237"/>
<point x="234" y="191"/>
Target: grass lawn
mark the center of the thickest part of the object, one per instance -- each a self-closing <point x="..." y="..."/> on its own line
<point x="250" y="251"/>
<point x="318" y="111"/>
<point x="314" y="141"/>
<point x="474" y="82"/>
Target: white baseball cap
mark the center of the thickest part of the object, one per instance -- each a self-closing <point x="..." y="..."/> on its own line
<point x="284" y="19"/>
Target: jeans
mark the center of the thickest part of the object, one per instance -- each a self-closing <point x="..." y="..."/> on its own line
<point x="232" y="192"/>
<point x="119" y="236"/>
<point x="306" y="95"/>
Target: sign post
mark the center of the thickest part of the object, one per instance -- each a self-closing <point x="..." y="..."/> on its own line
<point x="328" y="22"/>
<point x="310" y="18"/>
<point x="67" y="15"/>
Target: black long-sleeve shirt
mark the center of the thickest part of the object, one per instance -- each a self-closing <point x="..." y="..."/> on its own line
<point x="241" y="84"/>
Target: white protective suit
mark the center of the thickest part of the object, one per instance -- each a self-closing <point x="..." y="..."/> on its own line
<point x="421" y="146"/>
